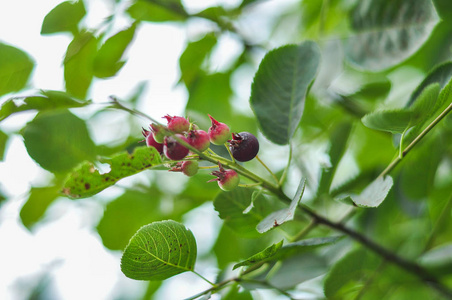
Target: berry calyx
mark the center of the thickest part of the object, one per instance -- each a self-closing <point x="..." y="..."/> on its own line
<point x="219" y="132"/>
<point x="159" y="132"/>
<point x="188" y="168"/>
<point x="244" y="146"/>
<point x="151" y="142"/>
<point x="227" y="179"/>
<point x="199" y="139"/>
<point x="177" y="124"/>
<point x="173" y="150"/>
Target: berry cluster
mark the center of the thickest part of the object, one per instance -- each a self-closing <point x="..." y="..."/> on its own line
<point x="243" y="146"/>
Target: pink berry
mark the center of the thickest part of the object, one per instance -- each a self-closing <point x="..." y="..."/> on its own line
<point x="227" y="179"/>
<point x="199" y="139"/>
<point x="219" y="133"/>
<point x="150" y="141"/>
<point x="173" y="150"/>
<point x="244" y="146"/>
<point x="177" y="124"/>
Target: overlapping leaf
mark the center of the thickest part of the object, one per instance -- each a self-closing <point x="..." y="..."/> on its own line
<point x="64" y="18"/>
<point x="158" y="251"/>
<point x="279" y="89"/>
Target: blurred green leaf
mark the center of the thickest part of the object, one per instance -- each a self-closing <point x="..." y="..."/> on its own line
<point x="388" y="32"/>
<point x="85" y="180"/>
<point x="107" y="61"/>
<point x="58" y="140"/>
<point x="231" y="205"/>
<point x="159" y="251"/>
<point x="37" y="203"/>
<point x="78" y="64"/>
<point x="211" y="94"/>
<point x="157" y="11"/>
<point x="279" y="89"/>
<point x="64" y="18"/>
<point x="237" y="293"/>
<point x="438" y="260"/>
<point x="135" y="209"/>
<point x="3" y="141"/>
<point x="281" y="216"/>
<point x="258" y="257"/>
<point x="354" y="267"/>
<point x="338" y="145"/>
<point x="15" y="69"/>
<point x="48" y="101"/>
<point x="375" y="193"/>
<point x="193" y="56"/>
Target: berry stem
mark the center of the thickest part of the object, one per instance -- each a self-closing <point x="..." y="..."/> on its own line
<point x="229" y="151"/>
<point x="268" y="169"/>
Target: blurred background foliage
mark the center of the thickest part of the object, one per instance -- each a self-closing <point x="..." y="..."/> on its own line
<point x="332" y="148"/>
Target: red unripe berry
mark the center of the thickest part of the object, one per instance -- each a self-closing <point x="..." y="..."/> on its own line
<point x="150" y="141"/>
<point x="173" y="150"/>
<point x="244" y="146"/>
<point x="227" y="179"/>
<point x="177" y="124"/>
<point x="199" y="139"/>
<point x="219" y="133"/>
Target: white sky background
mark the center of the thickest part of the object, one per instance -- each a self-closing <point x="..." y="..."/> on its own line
<point x="82" y="267"/>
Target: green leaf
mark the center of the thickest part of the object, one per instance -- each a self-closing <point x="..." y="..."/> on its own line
<point x="58" y="141"/>
<point x="374" y="194"/>
<point x="388" y="32"/>
<point x="351" y="269"/>
<point x="303" y="246"/>
<point x="47" y="101"/>
<point x="86" y="181"/>
<point x="134" y="209"/>
<point x="231" y="206"/>
<point x="394" y="121"/>
<point x="159" y="251"/>
<point x="279" y="89"/>
<point x="3" y="141"/>
<point x="441" y="74"/>
<point x="78" y="64"/>
<point x="15" y="69"/>
<point x="157" y="11"/>
<point x="283" y="215"/>
<point x="36" y="205"/>
<point x="438" y="260"/>
<point x="64" y="18"/>
<point x="107" y="61"/>
<point x="193" y="57"/>
<point x="258" y="257"/>
<point x="424" y="106"/>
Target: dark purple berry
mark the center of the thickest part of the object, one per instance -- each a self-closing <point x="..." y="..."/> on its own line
<point x="219" y="132"/>
<point x="227" y="179"/>
<point x="177" y="124"/>
<point x="150" y="141"/>
<point x="199" y="139"/>
<point x="173" y="150"/>
<point x="244" y="146"/>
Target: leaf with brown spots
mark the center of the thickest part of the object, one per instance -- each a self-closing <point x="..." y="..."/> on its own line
<point x="85" y="180"/>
